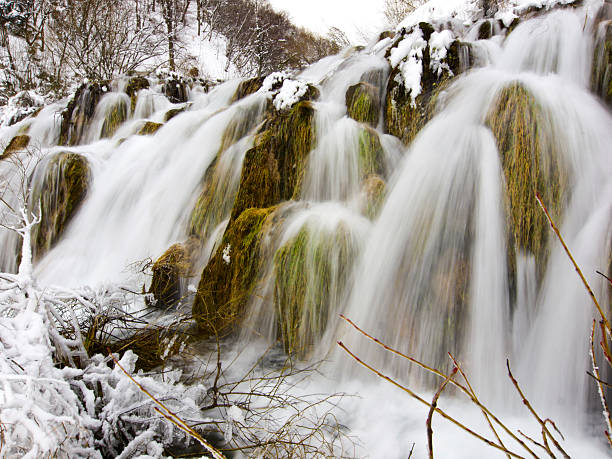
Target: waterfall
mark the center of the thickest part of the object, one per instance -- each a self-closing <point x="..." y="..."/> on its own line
<point x="435" y="246"/>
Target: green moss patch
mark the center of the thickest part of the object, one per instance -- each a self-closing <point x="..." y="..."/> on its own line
<point x="17" y="143"/>
<point x="363" y="103"/>
<point x="63" y="189"/>
<point x="149" y="128"/>
<point x="229" y="279"/>
<point x="134" y="86"/>
<point x="80" y="111"/>
<point x="114" y="119"/>
<point x="311" y="270"/>
<point x="175" y="265"/>
<point x="247" y="87"/>
<point x="273" y="169"/>
<point x="371" y="154"/>
<point x="530" y="165"/>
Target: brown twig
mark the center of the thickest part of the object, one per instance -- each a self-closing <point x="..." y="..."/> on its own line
<point x="571" y="257"/>
<point x="455" y="383"/>
<point x="545" y="432"/>
<point x="425" y="402"/>
<point x="171" y="416"/>
<point x="602" y="395"/>
<point x="487" y="418"/>
<point x="432" y="408"/>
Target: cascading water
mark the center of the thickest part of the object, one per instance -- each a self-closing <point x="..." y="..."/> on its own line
<point x="434" y="248"/>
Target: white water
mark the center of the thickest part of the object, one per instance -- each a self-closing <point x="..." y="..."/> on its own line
<point x="443" y="226"/>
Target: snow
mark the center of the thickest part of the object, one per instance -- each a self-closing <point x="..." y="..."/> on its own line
<point x="226" y="254"/>
<point x="507" y="17"/>
<point x="439" y="43"/>
<point x="273" y="81"/>
<point x="435" y="11"/>
<point x="20" y="106"/>
<point x="409" y="56"/>
<point x="468" y="11"/>
<point x="284" y="90"/>
<point x="290" y="93"/>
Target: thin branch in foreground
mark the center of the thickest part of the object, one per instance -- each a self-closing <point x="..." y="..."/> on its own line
<point x="168" y="414"/>
<point x="571" y="257"/>
<point x="545" y="432"/>
<point x="600" y="390"/>
<point x="458" y="385"/>
<point x="432" y="408"/>
<point x="437" y="410"/>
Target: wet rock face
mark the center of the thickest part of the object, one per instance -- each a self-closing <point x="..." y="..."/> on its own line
<point x="247" y="87"/>
<point x="273" y="169"/>
<point x="405" y="117"/>
<point x="80" y="111"/>
<point x="530" y="164"/>
<point x="17" y="143"/>
<point x="134" y="86"/>
<point x="229" y="279"/>
<point x="171" y="272"/>
<point x="63" y="189"/>
<point x="601" y="74"/>
<point x="363" y="103"/>
<point x="177" y="91"/>
<point x="149" y="128"/>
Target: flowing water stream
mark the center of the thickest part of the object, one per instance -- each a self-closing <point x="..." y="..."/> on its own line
<point x="431" y="272"/>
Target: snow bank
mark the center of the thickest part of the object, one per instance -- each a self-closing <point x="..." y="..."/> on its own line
<point x="284" y="91"/>
<point x="468" y="11"/>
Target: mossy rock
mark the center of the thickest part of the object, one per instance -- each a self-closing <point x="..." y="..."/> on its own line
<point x="80" y="111"/>
<point x="230" y="277"/>
<point x="374" y="191"/>
<point x="273" y="169"/>
<point x="601" y="74"/>
<point x="169" y="270"/>
<point x="404" y="118"/>
<point x="153" y="345"/>
<point x="149" y="128"/>
<point x="371" y="154"/>
<point x="173" y="112"/>
<point x="530" y="165"/>
<point x="133" y="87"/>
<point x="114" y="119"/>
<point x="363" y="103"/>
<point x="247" y="87"/>
<point x="19" y="142"/>
<point x="177" y="91"/>
<point x="311" y="270"/>
<point x="386" y="34"/>
<point x="64" y="187"/>
<point x="485" y="31"/>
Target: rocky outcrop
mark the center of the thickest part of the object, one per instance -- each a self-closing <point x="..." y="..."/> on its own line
<point x="230" y="277"/>
<point x="601" y="74"/>
<point x="273" y="169"/>
<point x="63" y="189"/>
<point x="133" y="87"/>
<point x="363" y="103"/>
<point x="149" y="128"/>
<point x="80" y="111"/>
<point x="170" y="273"/>
<point x="405" y="116"/>
<point x="530" y="164"/>
<point x="19" y="142"/>
<point x="247" y="87"/>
